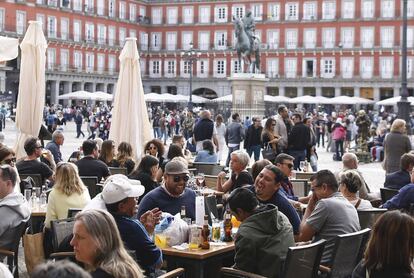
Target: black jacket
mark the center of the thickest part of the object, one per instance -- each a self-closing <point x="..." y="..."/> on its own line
<point x="299" y="137"/>
<point x="253" y="136"/>
<point x="397" y="179"/>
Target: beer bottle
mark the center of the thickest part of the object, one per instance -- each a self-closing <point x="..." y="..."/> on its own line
<point x="182" y="213"/>
<point x="205" y="233"/>
<point x="228" y="226"/>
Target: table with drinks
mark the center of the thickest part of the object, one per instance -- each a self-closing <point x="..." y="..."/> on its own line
<point x="37" y="199"/>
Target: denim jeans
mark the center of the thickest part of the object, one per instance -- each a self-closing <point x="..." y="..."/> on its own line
<point x="157" y="132"/>
<point x="164" y="135"/>
<point x="299" y="156"/>
<point x="339" y="144"/>
<point x="231" y="149"/>
<point x="256" y="150"/>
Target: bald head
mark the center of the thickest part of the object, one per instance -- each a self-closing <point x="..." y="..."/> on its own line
<point x="350" y="161"/>
<point x="205" y="114"/>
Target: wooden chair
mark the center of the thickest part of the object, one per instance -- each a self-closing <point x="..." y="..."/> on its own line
<point x="91" y="183"/>
<point x="73" y="211"/>
<point x="61" y="229"/>
<point x="118" y="170"/>
<point x="300" y="187"/>
<point x="345" y="254"/>
<point x="178" y="272"/>
<point x="367" y="218"/>
<point x="387" y="193"/>
<point x="304" y="175"/>
<point x="303" y="261"/>
<point x="227" y="272"/>
<point x="11" y="252"/>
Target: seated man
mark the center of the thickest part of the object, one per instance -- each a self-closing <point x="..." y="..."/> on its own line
<point x="402" y="177"/>
<point x="264" y="236"/>
<point x="173" y="194"/>
<point x="328" y="214"/>
<point x="90" y="165"/>
<point x="13" y="206"/>
<point x="403" y="199"/>
<point x="267" y="190"/>
<point x="31" y="164"/>
<point x="54" y="145"/>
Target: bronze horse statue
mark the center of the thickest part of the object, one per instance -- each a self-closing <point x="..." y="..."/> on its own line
<point x="246" y="46"/>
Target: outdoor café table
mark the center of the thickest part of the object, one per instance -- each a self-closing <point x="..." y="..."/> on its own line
<point x="197" y="262"/>
<point x="37" y="219"/>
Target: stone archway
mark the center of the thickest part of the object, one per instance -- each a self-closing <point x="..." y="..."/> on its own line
<point x="205" y="92"/>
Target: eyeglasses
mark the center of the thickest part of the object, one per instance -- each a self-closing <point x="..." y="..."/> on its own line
<point x="9" y="161"/>
<point x="179" y="178"/>
<point x="289" y="165"/>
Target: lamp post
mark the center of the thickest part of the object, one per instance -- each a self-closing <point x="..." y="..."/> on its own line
<point x="404" y="104"/>
<point x="190" y="56"/>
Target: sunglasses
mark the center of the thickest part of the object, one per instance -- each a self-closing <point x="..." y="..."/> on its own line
<point x="152" y="148"/>
<point x="10" y="160"/>
<point x="179" y="178"/>
<point x="289" y="165"/>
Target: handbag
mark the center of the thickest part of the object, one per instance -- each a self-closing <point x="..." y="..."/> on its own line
<point x="268" y="153"/>
<point x="33" y="250"/>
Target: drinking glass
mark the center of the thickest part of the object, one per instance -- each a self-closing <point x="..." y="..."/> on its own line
<point x="302" y="166"/>
<point x="27" y="194"/>
<point x="216" y="231"/>
<point x="37" y="191"/>
<point x="200" y="179"/>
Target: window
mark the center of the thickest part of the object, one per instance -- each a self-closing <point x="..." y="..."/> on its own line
<point x="1" y="19"/>
<point x="203" y="40"/>
<point x="290" y="67"/>
<point x="51" y="58"/>
<point x="220" y="14"/>
<point x="347" y="67"/>
<point x="387" y="8"/>
<point x="220" y="40"/>
<point x="367" y="37"/>
<point x="328" y="67"/>
<point x="142" y="11"/>
<point x="272" y="68"/>
<point x="310" y="10"/>
<point x="143" y="66"/>
<point x="101" y="34"/>
<point x="274" y="11"/>
<point x="77" y="5"/>
<point x="144" y="41"/>
<point x="309" y="38"/>
<point x="368" y="8"/>
<point x="90" y="62"/>
<point x="52" y="3"/>
<point x="257" y="10"/>
<point x="122" y="36"/>
<point x="348" y="9"/>
<point x="77" y="30"/>
<point x="155" y="68"/>
<point x="366" y="64"/>
<point x="20" y="22"/>
<point x="101" y="63"/>
<point x="328" y="10"/>
<point x="64" y="28"/>
<point x="291" y="38"/>
<point x="387" y="36"/>
<point x="188" y="15"/>
<point x="111" y="63"/>
<point x="185" y="68"/>
<point x="132" y="12"/>
<point x="156" y="15"/>
<point x="409" y="67"/>
<point x="187" y="38"/>
<point x="309" y="68"/>
<point x="41" y="19"/>
<point x="170" y="68"/>
<point x="63" y="4"/>
<point x="238" y="11"/>
<point x="111" y="35"/>
<point x="347" y="37"/>
<point x="204" y="14"/>
<point x="89" y="8"/>
<point x="172" y="15"/>
<point x="111" y="8"/>
<point x="155" y="41"/>
<point x="291" y="11"/>
<point x="51" y="27"/>
<point x="100" y="7"/>
<point x="410" y="9"/>
<point x="387" y="65"/>
<point x="77" y="60"/>
<point x="64" y="59"/>
<point x="410" y="36"/>
<point x="89" y="32"/>
<point x="328" y="37"/>
<point x="273" y="39"/>
<point x="202" y="68"/>
<point x="171" y="40"/>
<point x="220" y="68"/>
<point x="122" y="10"/>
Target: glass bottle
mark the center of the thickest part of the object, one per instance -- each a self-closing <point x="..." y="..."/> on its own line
<point x="182" y="212"/>
<point x="228" y="226"/>
<point x="205" y="234"/>
<point x="43" y="197"/>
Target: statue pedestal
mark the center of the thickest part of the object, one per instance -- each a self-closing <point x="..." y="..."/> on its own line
<point x="248" y="90"/>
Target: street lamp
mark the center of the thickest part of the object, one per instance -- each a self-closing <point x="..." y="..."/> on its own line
<point x="190" y="56"/>
<point x="404" y="104"/>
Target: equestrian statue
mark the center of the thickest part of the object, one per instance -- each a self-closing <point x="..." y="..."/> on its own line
<point x="247" y="43"/>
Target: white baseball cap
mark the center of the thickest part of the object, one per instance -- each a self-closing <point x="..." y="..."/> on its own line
<point x="118" y="187"/>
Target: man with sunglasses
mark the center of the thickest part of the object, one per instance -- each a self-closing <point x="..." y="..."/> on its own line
<point x="173" y="194"/>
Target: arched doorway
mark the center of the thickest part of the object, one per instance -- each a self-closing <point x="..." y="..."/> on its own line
<point x="205" y="92"/>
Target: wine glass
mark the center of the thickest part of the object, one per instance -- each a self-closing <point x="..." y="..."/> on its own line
<point x="302" y="166"/>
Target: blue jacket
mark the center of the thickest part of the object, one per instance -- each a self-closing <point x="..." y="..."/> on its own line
<point x="403" y="199"/>
<point x="397" y="179"/>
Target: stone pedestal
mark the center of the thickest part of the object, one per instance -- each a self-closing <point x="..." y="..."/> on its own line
<point x="248" y="90"/>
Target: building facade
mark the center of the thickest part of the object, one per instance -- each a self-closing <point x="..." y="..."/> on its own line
<point x="323" y="48"/>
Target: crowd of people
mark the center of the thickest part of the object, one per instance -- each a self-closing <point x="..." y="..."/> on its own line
<point x="124" y="215"/>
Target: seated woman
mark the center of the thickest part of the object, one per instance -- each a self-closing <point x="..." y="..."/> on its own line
<point x="8" y="157"/>
<point x="239" y="176"/>
<point x="174" y="151"/>
<point x="155" y="148"/>
<point x="107" y="154"/>
<point x="349" y="184"/>
<point x="390" y="249"/>
<point x="97" y="243"/>
<point x="146" y="173"/>
<point x="68" y="192"/>
<point x="207" y="154"/>
<point x="124" y="157"/>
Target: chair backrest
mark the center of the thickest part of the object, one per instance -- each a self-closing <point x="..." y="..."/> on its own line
<point x="17" y="233"/>
<point x="345" y="255"/>
<point x="304" y="175"/>
<point x="90" y="182"/>
<point x="73" y="211"/>
<point x="303" y="261"/>
<point x="300" y="187"/>
<point x="61" y="229"/>
<point x="208" y="169"/>
<point x="387" y="193"/>
<point x="211" y="207"/>
<point x="227" y="272"/>
<point x="118" y="170"/>
<point x="178" y="272"/>
<point x="37" y="178"/>
<point x="368" y="217"/>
